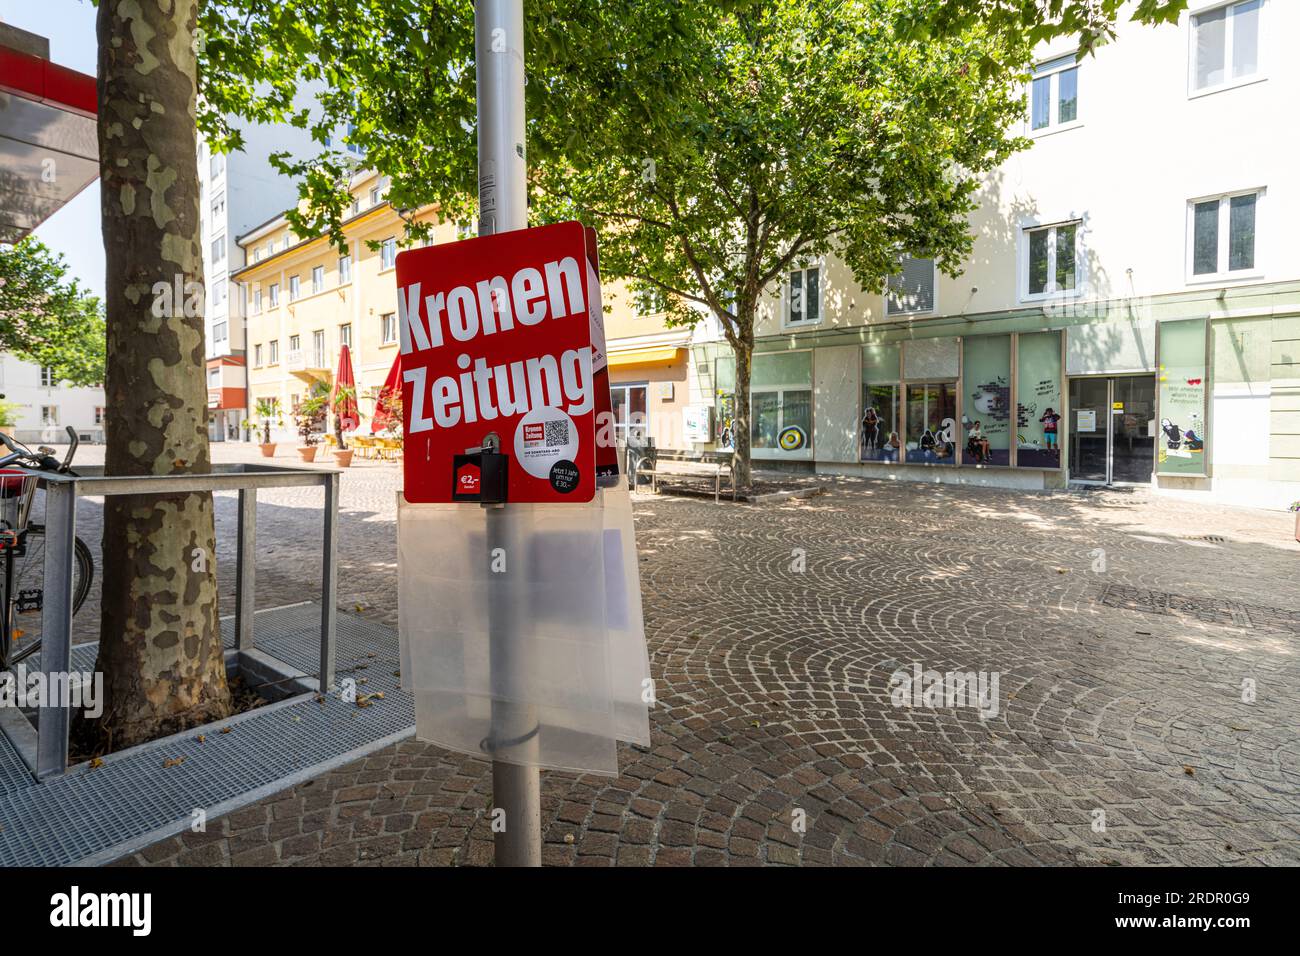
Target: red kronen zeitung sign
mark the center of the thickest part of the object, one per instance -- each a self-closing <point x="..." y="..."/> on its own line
<point x="496" y="337"/>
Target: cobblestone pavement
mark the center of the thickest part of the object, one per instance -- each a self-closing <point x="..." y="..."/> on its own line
<point x="1125" y="630"/>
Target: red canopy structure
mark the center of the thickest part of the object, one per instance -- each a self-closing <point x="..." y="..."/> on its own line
<point x="48" y="147"/>
<point x="348" y="414"/>
<point x="388" y="408"/>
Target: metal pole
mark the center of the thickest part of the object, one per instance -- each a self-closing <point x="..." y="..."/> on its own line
<point x="56" y="624"/>
<point x="329" y="565"/>
<point x="244" y="568"/>
<point x="503" y="206"/>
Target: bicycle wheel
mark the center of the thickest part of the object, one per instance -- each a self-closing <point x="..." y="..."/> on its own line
<point x="24" y="602"/>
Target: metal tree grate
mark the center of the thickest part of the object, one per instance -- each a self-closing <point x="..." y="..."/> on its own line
<point x="96" y="815"/>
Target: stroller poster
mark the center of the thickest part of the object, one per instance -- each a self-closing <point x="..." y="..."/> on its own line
<point x="1181" y="429"/>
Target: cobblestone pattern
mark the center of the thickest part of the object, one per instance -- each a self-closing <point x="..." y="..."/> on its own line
<point x="774" y="691"/>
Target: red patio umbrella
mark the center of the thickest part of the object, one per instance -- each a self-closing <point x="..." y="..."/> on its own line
<point x="386" y="416"/>
<point x="348" y="414"/>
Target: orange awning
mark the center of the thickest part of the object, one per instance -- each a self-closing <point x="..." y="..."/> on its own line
<point x="662" y="355"/>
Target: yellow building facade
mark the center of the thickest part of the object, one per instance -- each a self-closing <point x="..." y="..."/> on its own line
<point x="302" y="300"/>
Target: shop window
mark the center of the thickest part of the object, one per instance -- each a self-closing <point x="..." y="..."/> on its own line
<point x="879" y="438"/>
<point x="781" y="419"/>
<point x="1181" y="442"/>
<point x="986" y="411"/>
<point x="1040" y="423"/>
<point x="931" y="423"/>
<point x="631" y="417"/>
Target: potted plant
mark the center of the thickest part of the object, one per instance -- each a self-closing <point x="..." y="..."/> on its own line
<point x="343" y="394"/>
<point x="268" y="411"/>
<point x="308" y="416"/>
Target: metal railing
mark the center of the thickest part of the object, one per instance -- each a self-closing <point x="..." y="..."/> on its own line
<point x="61" y="494"/>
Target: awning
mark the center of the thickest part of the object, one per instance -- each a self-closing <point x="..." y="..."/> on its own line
<point x="661" y="355"/>
<point x="48" y="146"/>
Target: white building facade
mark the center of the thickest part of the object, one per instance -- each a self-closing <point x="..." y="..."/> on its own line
<point x="1131" y="311"/>
<point x="236" y="192"/>
<point x="44" y="407"/>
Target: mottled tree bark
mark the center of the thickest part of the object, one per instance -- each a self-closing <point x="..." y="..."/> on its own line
<point x="742" y="347"/>
<point x="160" y="642"/>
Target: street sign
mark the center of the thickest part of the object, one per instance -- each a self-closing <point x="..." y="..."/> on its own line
<point x="496" y="339"/>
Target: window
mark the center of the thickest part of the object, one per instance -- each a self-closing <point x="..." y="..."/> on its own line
<point x="345" y="269"/>
<point x="219" y="292"/>
<point x="1054" y="94"/>
<point x="1051" y="257"/>
<point x="99" y="414"/>
<point x="650" y="302"/>
<point x="214" y="377"/>
<point x="273" y="350"/>
<point x="216" y="165"/>
<point x="911" y="291"/>
<point x="986" y="410"/>
<point x="388" y="328"/>
<point x="220" y="333"/>
<point x="295" y="343"/>
<point x="49" y="414"/>
<point x="317" y="278"/>
<point x="931" y="424"/>
<point x="218" y="249"/>
<point x="270" y="249"/>
<point x="318" y="348"/>
<point x="345" y="334"/>
<point x="388" y="253"/>
<point x="879" y="424"/>
<point x="1225" y="46"/>
<point x="782" y="419"/>
<point x="1222" y="231"/>
<point x="273" y="293"/>
<point x="803" y="297"/>
<point x="47" y="376"/>
<point x="255" y="301"/>
<point x="218" y="207"/>
<point x="355" y="207"/>
<point x="295" y="288"/>
<point x="630" y="415"/>
<point x="257" y="356"/>
<point x="287" y="242"/>
<point x="374" y="196"/>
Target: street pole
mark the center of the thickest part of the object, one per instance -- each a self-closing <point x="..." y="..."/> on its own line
<point x="503" y="206"/>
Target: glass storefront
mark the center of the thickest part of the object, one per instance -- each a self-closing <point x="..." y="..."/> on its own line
<point x="1181" y="374"/>
<point x="780" y="402"/>
<point x="930" y="433"/>
<point x="986" y="414"/>
<point x="878" y="438"/>
<point x="1039" y="420"/>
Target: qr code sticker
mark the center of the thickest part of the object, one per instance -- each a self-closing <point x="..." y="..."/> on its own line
<point x="557" y="433"/>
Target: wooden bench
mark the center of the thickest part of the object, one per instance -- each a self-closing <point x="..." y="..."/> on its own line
<point x="690" y="469"/>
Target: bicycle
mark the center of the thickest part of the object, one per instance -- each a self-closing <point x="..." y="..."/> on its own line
<point x="22" y="549"/>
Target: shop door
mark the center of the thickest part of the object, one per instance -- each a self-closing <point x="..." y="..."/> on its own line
<point x="1112" y="429"/>
<point x="1090" y="430"/>
<point x="1133" y="432"/>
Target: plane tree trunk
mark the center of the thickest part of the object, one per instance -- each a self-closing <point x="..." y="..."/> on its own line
<point x="160" y="643"/>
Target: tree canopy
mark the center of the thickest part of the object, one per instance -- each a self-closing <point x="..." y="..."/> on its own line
<point x="47" y="318"/>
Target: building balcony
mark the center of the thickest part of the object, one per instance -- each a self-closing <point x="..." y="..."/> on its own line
<point x="306" y="365"/>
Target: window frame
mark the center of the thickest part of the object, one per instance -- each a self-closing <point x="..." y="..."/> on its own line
<point x="273" y="295"/>
<point x="1023" y="266"/>
<point x="786" y="323"/>
<point x="295" y="288"/>
<point x="934" y="286"/>
<point x="273" y="352"/>
<point x="384" y="252"/>
<point x="317" y="279"/>
<point x="345" y="269"/>
<point x="345" y="334"/>
<point x="1050" y="69"/>
<point x="1222" y="275"/>
<point x="1228" y="83"/>
<point x="385" y="319"/>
